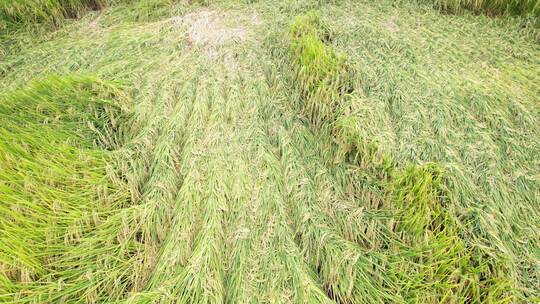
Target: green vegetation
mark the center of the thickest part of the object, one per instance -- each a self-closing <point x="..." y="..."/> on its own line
<point x="516" y="7"/>
<point x="423" y="230"/>
<point x="56" y="138"/>
<point x="270" y="152"/>
<point x="321" y="73"/>
<point x="44" y="11"/>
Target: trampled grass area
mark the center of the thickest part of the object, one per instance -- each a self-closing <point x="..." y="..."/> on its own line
<point x="271" y="152"/>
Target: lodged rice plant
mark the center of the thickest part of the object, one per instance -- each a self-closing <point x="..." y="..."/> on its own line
<point x="220" y="186"/>
<point x="311" y="23"/>
<point x="452" y="268"/>
<point x="321" y="73"/>
<point x="55" y="187"/>
<point x="45" y="11"/>
<point x="514" y="7"/>
<point x="357" y="148"/>
<point x="405" y="248"/>
<point x="425" y="259"/>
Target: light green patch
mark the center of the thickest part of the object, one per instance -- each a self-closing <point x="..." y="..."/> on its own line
<point x="322" y="74"/>
<point x="54" y="178"/>
<point x="27" y="12"/>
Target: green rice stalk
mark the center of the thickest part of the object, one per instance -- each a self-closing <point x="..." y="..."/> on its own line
<point x="513" y="7"/>
<point x="321" y="74"/>
<point x="26" y="12"/>
<point x="54" y="174"/>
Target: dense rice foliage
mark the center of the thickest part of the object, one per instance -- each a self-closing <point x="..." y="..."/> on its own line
<point x="44" y="11"/>
<point x="275" y="152"/>
<point x="423" y="230"/>
<point x="322" y="74"/>
<point x="515" y="7"/>
<point x="55" y="135"/>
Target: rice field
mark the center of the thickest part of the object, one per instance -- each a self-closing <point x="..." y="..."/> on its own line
<point x="52" y="12"/>
<point x="515" y="7"/>
<point x="232" y="151"/>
